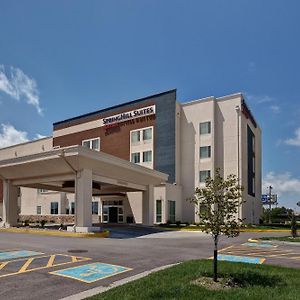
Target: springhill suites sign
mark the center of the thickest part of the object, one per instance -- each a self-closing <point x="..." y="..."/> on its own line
<point x="125" y="116"/>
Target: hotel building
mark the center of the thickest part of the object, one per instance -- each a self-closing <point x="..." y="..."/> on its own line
<point x="137" y="162"/>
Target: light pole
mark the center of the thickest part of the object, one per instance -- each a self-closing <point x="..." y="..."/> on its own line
<point x="270" y="203"/>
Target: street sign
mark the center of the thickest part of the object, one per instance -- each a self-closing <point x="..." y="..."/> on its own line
<point x="265" y="199"/>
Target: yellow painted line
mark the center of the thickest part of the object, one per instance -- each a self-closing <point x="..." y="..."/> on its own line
<point x="253" y="240"/>
<point x="28" y="262"/>
<point x="56" y="233"/>
<point x="224" y="249"/>
<point x="51" y="260"/>
<point x="283" y="254"/>
<point x="252" y="249"/>
<point x="26" y="265"/>
<point x="262" y="253"/>
<point x="262" y="260"/>
<point x="2" y="265"/>
<point x="74" y="259"/>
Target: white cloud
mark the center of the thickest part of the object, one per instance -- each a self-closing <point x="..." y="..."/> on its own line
<point x="275" y="109"/>
<point x="283" y="184"/>
<point x="18" y="85"/>
<point x="264" y="99"/>
<point x="9" y="135"/>
<point x="295" y="141"/>
<point x="39" y="136"/>
<point x="259" y="98"/>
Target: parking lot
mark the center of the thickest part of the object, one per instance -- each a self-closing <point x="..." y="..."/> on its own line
<point x="44" y="267"/>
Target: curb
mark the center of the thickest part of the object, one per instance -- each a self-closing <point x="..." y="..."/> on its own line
<point x="102" y="289"/>
<point x="56" y="233"/>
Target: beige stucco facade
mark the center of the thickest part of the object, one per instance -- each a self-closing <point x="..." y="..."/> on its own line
<point x="229" y="121"/>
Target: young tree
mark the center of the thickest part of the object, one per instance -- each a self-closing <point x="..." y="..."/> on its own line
<point x="293" y="226"/>
<point x="218" y="203"/>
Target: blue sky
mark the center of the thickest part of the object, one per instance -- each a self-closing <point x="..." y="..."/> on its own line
<point x="59" y="59"/>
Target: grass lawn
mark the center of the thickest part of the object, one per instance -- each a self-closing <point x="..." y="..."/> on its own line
<point x="283" y="238"/>
<point x="254" y="282"/>
<point x="246" y="228"/>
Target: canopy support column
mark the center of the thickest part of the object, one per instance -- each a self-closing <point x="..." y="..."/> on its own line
<point x="148" y="206"/>
<point x="10" y="204"/>
<point x="83" y="201"/>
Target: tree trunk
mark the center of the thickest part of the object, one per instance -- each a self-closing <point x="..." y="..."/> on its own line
<point x="216" y="258"/>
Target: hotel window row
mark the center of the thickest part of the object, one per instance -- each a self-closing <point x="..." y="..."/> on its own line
<point x="69" y="210"/>
<point x="204" y="151"/>
<point x="146" y="155"/>
<point x="93" y="144"/>
<point x="141" y="135"/>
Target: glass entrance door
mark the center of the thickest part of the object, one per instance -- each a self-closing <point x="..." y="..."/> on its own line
<point x="113" y="214"/>
<point x="112" y="211"/>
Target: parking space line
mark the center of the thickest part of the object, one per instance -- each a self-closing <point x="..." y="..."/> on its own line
<point x="2" y="265"/>
<point x="26" y="265"/>
<point x="256" y="251"/>
<point x="224" y="249"/>
<point x="50" y="263"/>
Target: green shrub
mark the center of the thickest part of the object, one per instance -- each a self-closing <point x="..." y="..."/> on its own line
<point x="43" y="222"/>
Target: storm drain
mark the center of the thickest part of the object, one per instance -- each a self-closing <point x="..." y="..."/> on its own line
<point x="77" y="251"/>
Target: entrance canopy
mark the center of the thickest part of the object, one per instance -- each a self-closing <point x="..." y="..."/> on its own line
<point x="81" y="171"/>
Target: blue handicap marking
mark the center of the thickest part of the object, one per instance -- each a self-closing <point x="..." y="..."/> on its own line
<point x="91" y="272"/>
<point x="17" y="254"/>
<point x="259" y="245"/>
<point x="244" y="259"/>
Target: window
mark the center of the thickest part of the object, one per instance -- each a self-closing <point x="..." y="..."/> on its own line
<point x="95" y="207"/>
<point x="42" y="191"/>
<point x="93" y="144"/>
<point x="172" y="211"/>
<point x="38" y="210"/>
<point x="135" y="157"/>
<point x="54" y="208"/>
<point x="135" y="136"/>
<point x="120" y="215"/>
<point x="203" y="175"/>
<point x="147" y="134"/>
<point x="72" y="208"/>
<point x="251" y="161"/>
<point x="205" y="128"/>
<point x="158" y="211"/>
<point x="205" y="152"/>
<point x="105" y="214"/>
<point x="147" y="156"/>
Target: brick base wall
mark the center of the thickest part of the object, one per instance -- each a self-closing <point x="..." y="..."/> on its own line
<point x="57" y="219"/>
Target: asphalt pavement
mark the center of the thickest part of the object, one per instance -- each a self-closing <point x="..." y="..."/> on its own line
<point x="49" y="272"/>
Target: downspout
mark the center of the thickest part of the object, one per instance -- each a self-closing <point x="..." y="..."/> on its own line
<point x="238" y="109"/>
